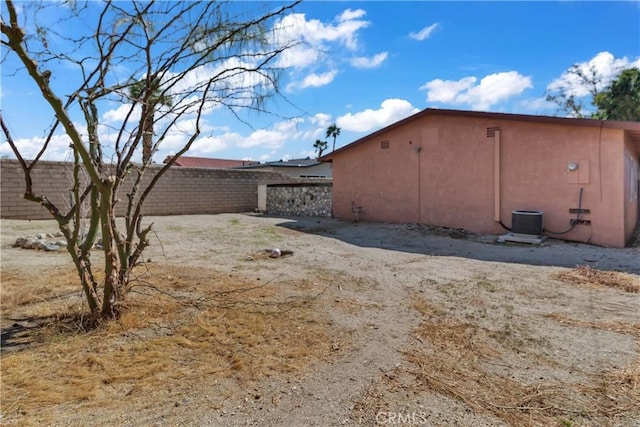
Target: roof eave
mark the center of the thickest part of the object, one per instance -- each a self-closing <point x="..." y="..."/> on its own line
<point x="614" y="124"/>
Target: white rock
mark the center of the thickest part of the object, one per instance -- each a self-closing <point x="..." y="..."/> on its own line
<point x="275" y="253"/>
<point x="50" y="247"/>
<point x="38" y="244"/>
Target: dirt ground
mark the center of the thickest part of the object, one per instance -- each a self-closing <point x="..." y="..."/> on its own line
<point x="364" y="324"/>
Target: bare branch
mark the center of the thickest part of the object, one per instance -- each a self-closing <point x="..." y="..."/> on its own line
<point x="164" y="63"/>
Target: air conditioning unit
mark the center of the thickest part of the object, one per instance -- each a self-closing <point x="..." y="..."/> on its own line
<point x="526" y="227"/>
<point x="527" y="222"/>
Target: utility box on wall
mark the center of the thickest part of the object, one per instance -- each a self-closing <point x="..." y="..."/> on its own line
<point x="578" y="172"/>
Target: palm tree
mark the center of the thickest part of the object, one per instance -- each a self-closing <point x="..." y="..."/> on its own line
<point x="151" y="97"/>
<point x="320" y="146"/>
<point x="333" y="131"/>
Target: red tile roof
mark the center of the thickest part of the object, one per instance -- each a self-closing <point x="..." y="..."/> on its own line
<point x="206" y="162"/>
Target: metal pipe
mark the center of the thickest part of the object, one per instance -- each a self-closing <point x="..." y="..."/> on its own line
<point x="497" y="179"/>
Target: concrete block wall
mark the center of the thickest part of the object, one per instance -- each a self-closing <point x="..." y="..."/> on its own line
<point x="300" y="199"/>
<point x="181" y="191"/>
<point x="52" y="180"/>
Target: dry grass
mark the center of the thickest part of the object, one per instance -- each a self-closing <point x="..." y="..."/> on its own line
<point x="613" y="325"/>
<point x="180" y="327"/>
<point x="21" y="293"/>
<point x="454" y="362"/>
<point x="590" y="277"/>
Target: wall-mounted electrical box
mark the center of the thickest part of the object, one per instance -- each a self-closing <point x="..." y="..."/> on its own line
<point x="578" y="171"/>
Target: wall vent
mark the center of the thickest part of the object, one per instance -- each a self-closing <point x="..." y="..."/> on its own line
<point x="527" y="222"/>
<point x="491" y="132"/>
<point x="384" y="145"/>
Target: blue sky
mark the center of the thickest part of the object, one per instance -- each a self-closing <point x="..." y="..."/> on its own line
<point x="365" y="65"/>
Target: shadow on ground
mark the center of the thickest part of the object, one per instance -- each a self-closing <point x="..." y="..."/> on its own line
<point x="24" y="331"/>
<point x="439" y="241"/>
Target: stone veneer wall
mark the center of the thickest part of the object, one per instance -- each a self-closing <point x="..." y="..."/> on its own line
<point x="181" y="191"/>
<point x="300" y="199"/>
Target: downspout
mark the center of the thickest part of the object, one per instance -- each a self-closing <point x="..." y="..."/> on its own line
<point x="497" y="177"/>
<point x="497" y="180"/>
<point x="417" y="150"/>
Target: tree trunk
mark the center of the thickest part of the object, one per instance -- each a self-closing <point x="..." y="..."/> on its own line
<point x="111" y="285"/>
<point x="88" y="285"/>
<point x="147" y="135"/>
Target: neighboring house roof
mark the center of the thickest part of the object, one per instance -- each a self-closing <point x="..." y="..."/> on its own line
<point x="292" y="163"/>
<point x="632" y="128"/>
<point x="206" y="162"/>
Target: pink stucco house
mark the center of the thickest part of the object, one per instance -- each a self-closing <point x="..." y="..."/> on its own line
<point x="472" y="170"/>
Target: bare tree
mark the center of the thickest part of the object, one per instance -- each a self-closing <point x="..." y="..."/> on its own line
<point x="165" y="63"/>
<point x="579" y="81"/>
<point x="580" y="88"/>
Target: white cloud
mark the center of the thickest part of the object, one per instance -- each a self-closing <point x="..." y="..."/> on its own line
<point x="191" y="84"/>
<point x="263" y="138"/>
<point x="390" y="111"/>
<point x="188" y="126"/>
<point x="491" y="90"/>
<point x="346" y="32"/>
<point x="313" y="80"/>
<point x="295" y="28"/>
<point x="321" y="119"/>
<point x="299" y="56"/>
<point x="349" y="15"/>
<point x="58" y="148"/>
<point x="120" y="113"/>
<point x="307" y="153"/>
<point x="28" y="148"/>
<point x="446" y="91"/>
<point x="316" y="44"/>
<point x="313" y="134"/>
<point x="604" y="66"/>
<point x="364" y="62"/>
<point x="208" y="145"/>
<point x="232" y="80"/>
<point x="424" y="33"/>
<point x="273" y="138"/>
<point x="289" y="127"/>
<point x="537" y="106"/>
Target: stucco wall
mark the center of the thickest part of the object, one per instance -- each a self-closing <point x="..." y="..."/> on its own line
<point x="313" y="199"/>
<point x="383" y="182"/>
<point x="631" y="190"/>
<point x="440" y="170"/>
<point x="535" y="176"/>
<point x="181" y="191"/>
